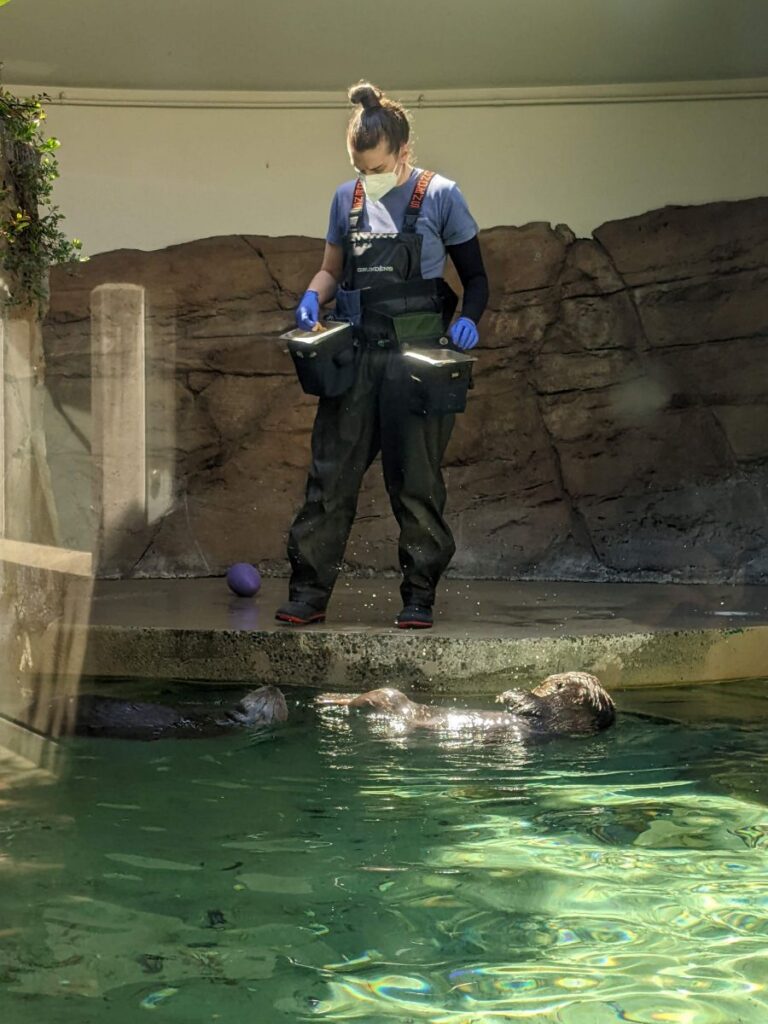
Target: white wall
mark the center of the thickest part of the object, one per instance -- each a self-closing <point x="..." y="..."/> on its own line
<point x="149" y="176"/>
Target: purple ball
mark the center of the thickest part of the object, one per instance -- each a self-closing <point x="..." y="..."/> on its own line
<point x="243" y="579"/>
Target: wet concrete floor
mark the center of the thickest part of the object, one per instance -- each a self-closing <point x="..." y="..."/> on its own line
<point x="487" y="608"/>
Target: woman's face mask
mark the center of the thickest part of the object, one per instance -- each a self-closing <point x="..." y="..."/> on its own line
<point x="377" y="185"/>
<point x="377" y="182"/>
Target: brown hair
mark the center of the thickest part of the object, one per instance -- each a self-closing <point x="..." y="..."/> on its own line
<point x="376" y="119"/>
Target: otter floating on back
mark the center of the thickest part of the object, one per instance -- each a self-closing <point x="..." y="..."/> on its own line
<point x="571" y="703"/>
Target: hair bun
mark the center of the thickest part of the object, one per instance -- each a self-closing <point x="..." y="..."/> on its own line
<point x="366" y="94"/>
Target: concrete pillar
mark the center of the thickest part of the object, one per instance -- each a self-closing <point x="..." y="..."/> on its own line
<point x="28" y="506"/>
<point x="161" y="403"/>
<point x="118" y="407"/>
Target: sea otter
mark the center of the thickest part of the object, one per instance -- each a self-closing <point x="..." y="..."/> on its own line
<point x="142" y="720"/>
<point x="565" y="703"/>
<point x="572" y="703"/>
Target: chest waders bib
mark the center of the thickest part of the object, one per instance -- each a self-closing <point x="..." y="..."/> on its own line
<point x="382" y="293"/>
<point x="385" y="298"/>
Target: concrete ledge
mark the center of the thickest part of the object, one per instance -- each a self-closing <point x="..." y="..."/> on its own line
<point x="432" y="663"/>
<point x="629" y="635"/>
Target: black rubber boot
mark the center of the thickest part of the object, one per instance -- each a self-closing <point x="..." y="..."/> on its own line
<point x="414" y="616"/>
<point x="299" y="613"/>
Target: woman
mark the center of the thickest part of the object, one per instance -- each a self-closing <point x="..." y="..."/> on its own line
<point x="389" y="233"/>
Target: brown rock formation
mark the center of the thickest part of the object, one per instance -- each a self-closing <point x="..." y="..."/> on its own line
<point x="618" y="428"/>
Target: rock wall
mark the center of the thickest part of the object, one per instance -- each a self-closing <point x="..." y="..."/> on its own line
<point x="618" y="429"/>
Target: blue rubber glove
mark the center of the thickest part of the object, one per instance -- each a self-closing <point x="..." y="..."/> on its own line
<point x="308" y="311"/>
<point x="463" y="333"/>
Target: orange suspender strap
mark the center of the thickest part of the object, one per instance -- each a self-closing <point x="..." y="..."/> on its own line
<point x="413" y="209"/>
<point x="358" y="201"/>
<point x="420" y="191"/>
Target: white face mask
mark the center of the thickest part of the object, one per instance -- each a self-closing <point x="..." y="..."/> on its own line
<point x="377" y="185"/>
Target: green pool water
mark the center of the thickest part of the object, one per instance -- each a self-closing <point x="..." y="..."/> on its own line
<point x="332" y="871"/>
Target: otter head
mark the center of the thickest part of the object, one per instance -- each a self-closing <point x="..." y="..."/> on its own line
<point x="579" y="700"/>
<point x="569" y="702"/>
<point x="262" y="707"/>
<point x="387" y="701"/>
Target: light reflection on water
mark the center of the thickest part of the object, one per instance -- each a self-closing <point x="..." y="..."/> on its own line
<point x="334" y="871"/>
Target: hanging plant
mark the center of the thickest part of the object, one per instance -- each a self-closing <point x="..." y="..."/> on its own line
<point x="30" y="239"/>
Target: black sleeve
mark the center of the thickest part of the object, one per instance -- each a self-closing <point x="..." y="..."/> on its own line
<point x="468" y="261"/>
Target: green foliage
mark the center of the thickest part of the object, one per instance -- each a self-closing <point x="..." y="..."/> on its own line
<point x="30" y="239"/>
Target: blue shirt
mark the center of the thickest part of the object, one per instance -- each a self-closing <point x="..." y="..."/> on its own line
<point x="444" y="219"/>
